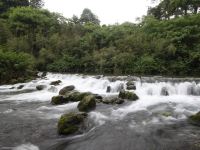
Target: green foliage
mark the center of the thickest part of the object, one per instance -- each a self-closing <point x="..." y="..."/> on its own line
<point x="14" y="65"/>
<point x="158" y="45"/>
<point x="88" y="17"/>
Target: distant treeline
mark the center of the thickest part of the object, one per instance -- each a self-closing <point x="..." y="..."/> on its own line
<point x="165" y="42"/>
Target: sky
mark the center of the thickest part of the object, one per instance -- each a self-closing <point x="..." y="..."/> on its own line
<point x="108" y="11"/>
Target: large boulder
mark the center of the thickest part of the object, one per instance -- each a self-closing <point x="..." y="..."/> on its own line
<point x="40" y="87"/>
<point x="66" y="89"/>
<point x="88" y="103"/>
<point x="55" y="82"/>
<point x="130" y="85"/>
<point x="128" y="95"/>
<point x="58" y="100"/>
<point x="71" y="123"/>
<point x="195" y="119"/>
<point x="76" y="96"/>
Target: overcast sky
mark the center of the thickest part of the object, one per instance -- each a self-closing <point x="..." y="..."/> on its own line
<point x="108" y="11"/>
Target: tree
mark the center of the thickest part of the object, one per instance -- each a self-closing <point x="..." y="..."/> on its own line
<point x="36" y="3"/>
<point x="7" y="4"/>
<point x="88" y="17"/>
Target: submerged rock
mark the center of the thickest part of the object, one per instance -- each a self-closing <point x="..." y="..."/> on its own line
<point x="53" y="89"/>
<point x="66" y="89"/>
<point x="40" y="87"/>
<point x="58" y="100"/>
<point x="112" y="100"/>
<point x="128" y="95"/>
<point x="108" y="90"/>
<point x="164" y="92"/>
<point x="195" y="119"/>
<point x="166" y="114"/>
<point x="88" y="103"/>
<point x="71" y="123"/>
<point x="130" y="85"/>
<point x="55" y="82"/>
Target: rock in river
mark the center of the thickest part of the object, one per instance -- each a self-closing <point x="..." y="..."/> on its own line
<point x="66" y="89"/>
<point x="58" y="100"/>
<point x="130" y="85"/>
<point x="195" y="119"/>
<point x="88" y="103"/>
<point x="55" y="82"/>
<point x="40" y="87"/>
<point x="128" y="95"/>
<point x="71" y="123"/>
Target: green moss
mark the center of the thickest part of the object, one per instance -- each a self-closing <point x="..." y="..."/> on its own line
<point x="87" y="103"/>
<point x="128" y="95"/>
<point x="195" y="119"/>
<point x="57" y="100"/>
<point x="76" y="96"/>
<point x="70" y="123"/>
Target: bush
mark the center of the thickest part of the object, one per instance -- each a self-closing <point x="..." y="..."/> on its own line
<point x="15" y="65"/>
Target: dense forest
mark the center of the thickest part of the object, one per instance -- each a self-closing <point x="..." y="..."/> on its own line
<point x="165" y="42"/>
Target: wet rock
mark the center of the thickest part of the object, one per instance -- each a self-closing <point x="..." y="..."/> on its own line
<point x="53" y="89"/>
<point x="164" y="92"/>
<point x="40" y="87"/>
<point x="112" y="100"/>
<point x="20" y="87"/>
<point x="43" y="74"/>
<point x="99" y="97"/>
<point x="130" y="85"/>
<point x="108" y="90"/>
<point x="88" y="103"/>
<point x="195" y="119"/>
<point x="76" y="96"/>
<point x="66" y="89"/>
<point x="128" y="95"/>
<point x="12" y="88"/>
<point x="58" y="100"/>
<point x="71" y="123"/>
<point x="98" y="77"/>
<point x="119" y="101"/>
<point x="55" y="83"/>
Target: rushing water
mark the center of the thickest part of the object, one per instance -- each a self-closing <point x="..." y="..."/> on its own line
<point x="154" y="122"/>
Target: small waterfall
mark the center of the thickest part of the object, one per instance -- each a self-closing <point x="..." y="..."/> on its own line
<point x="159" y="88"/>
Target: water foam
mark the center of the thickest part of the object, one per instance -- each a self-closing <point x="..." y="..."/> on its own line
<point x="28" y="146"/>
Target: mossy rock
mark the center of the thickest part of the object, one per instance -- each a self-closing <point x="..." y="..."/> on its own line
<point x="66" y="89"/>
<point x="75" y="96"/>
<point x="195" y="119"/>
<point x="128" y="95"/>
<point x="55" y="82"/>
<point x="71" y="123"/>
<point x="111" y="100"/>
<point x="88" y="103"/>
<point x="130" y="85"/>
<point x="58" y="100"/>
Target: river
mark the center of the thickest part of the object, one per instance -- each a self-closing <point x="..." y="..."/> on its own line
<point x="28" y="121"/>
